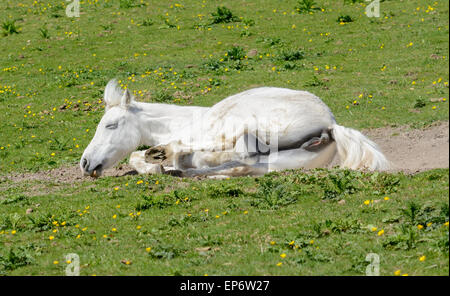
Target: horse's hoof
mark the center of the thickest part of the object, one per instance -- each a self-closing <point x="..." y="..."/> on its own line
<point x="174" y="173"/>
<point x="155" y="153"/>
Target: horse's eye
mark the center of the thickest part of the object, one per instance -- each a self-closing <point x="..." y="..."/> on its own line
<point x="112" y="126"/>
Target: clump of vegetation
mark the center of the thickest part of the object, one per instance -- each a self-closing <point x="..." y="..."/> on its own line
<point x="9" y="28"/>
<point x="165" y="251"/>
<point x="235" y="53"/>
<point x="44" y="32"/>
<point x="162" y="96"/>
<point x="44" y="222"/>
<point x="223" y="15"/>
<point x="222" y="190"/>
<point x="344" y="19"/>
<point x="16" y="257"/>
<point x="306" y="6"/>
<point x="130" y="4"/>
<point x="147" y="22"/>
<point x="156" y="201"/>
<point x="353" y="1"/>
<point x="271" y="42"/>
<point x="274" y="193"/>
<point x="291" y="55"/>
<point x="420" y="103"/>
<point x="314" y="82"/>
<point x="233" y="60"/>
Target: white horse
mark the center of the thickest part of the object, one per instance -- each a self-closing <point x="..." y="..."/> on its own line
<point x="251" y="133"/>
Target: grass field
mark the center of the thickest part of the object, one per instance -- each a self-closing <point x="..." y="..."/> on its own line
<point x="372" y="72"/>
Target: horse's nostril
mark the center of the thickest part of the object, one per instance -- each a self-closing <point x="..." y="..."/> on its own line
<point x="84" y="163"/>
<point x="97" y="168"/>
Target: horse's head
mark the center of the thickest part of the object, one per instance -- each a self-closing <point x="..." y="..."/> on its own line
<point x="117" y="134"/>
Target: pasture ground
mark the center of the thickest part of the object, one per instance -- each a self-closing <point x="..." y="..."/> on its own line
<point x="389" y="72"/>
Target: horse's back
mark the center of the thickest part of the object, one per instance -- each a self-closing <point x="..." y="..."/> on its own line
<point x="290" y="113"/>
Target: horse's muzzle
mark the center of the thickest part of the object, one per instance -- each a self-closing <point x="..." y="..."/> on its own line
<point x="88" y="170"/>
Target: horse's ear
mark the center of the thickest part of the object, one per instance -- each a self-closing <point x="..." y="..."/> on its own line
<point x="126" y="99"/>
<point x="113" y="94"/>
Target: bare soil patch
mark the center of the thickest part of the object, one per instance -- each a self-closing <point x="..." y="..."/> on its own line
<point x="414" y="150"/>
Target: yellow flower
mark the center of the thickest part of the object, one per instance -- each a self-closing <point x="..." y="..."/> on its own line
<point x="13" y="232"/>
<point x="367" y="202"/>
<point x="55" y="262"/>
<point x="245" y="212"/>
<point x="51" y="237"/>
<point x="420" y="226"/>
<point x="397" y="272"/>
<point x="291" y="243"/>
<point x="114" y="229"/>
<point x="381" y="232"/>
<point x="429" y="224"/>
<point x="139" y="182"/>
<point x="386" y="198"/>
<point x="272" y="243"/>
<point x="279" y="263"/>
<point x="422" y="258"/>
<point x="138" y="227"/>
<point x="283" y="255"/>
<point x="114" y="216"/>
<point x="373" y="229"/>
<point x="148" y="249"/>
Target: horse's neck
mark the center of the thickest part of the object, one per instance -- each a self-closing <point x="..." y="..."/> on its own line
<point x="163" y="123"/>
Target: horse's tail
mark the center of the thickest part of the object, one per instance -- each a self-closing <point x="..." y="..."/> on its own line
<point x="356" y="151"/>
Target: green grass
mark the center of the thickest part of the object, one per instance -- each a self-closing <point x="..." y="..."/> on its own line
<point x="234" y="227"/>
<point x="371" y="72"/>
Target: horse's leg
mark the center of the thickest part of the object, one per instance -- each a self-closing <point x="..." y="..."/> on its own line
<point x="312" y="155"/>
<point x="138" y="162"/>
<point x="232" y="168"/>
<point x="301" y="157"/>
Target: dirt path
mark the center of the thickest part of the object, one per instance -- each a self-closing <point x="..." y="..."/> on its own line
<point x="409" y="150"/>
<point x="415" y="150"/>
